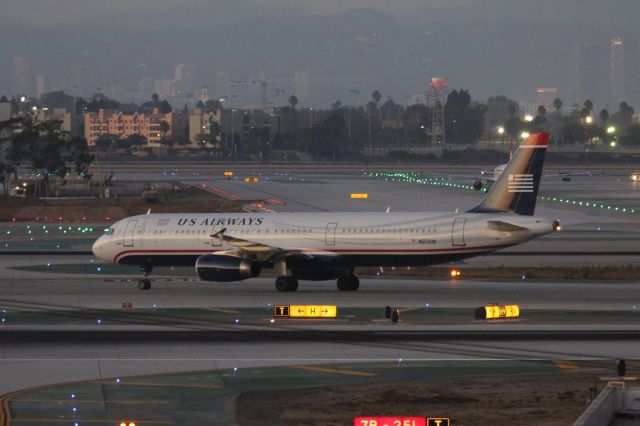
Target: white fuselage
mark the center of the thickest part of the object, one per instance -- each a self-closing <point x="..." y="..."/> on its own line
<point x="352" y="239"/>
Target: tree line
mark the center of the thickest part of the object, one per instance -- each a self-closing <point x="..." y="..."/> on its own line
<point x="45" y="150"/>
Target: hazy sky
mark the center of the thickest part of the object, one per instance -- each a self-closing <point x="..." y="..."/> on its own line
<point x="53" y="12"/>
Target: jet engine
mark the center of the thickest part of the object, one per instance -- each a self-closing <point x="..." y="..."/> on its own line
<point x="222" y="268"/>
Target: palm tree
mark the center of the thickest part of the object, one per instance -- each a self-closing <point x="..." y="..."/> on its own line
<point x="557" y="104"/>
<point x="164" y="129"/>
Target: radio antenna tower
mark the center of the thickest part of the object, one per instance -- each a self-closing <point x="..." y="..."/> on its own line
<point x="436" y="99"/>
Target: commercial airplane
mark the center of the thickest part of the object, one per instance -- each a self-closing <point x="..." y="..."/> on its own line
<point x="227" y="247"/>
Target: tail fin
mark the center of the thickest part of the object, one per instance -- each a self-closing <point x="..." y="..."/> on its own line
<point x="516" y="189"/>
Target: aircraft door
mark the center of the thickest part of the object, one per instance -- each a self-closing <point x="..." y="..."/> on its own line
<point x="330" y="235"/>
<point x="127" y="238"/>
<point x="457" y="232"/>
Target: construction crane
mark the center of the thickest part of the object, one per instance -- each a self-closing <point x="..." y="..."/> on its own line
<point x="264" y="83"/>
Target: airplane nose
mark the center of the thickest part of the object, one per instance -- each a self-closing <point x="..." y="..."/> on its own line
<point x="97" y="247"/>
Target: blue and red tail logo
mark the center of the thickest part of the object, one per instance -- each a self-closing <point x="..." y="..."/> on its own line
<point x="516" y="190"/>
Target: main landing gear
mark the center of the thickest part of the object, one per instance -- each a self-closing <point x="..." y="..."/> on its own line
<point x="145" y="282"/>
<point x="350" y="283"/>
<point x="286" y="283"/>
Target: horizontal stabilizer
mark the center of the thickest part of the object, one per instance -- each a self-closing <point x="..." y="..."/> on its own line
<point x="498" y="225"/>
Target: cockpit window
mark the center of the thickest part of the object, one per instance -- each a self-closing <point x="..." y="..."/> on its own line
<point x="109" y="231"/>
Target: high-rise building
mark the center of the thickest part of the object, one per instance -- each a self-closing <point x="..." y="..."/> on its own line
<point x="617" y="72"/>
<point x="81" y="80"/>
<point x="22" y="75"/>
<point x="588" y="75"/>
<point x="165" y="88"/>
<point x="185" y="80"/>
<point x="41" y="85"/>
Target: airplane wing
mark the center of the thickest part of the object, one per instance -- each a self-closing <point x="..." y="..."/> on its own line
<point x="245" y="247"/>
<point x="242" y="244"/>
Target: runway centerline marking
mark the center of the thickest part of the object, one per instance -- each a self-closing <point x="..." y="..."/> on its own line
<point x="333" y="370"/>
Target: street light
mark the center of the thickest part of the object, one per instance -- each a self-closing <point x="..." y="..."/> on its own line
<point x="611" y="130"/>
<point x="528" y="118"/>
<point x="501" y="130"/>
<point x="525" y="135"/>
<point x="588" y="119"/>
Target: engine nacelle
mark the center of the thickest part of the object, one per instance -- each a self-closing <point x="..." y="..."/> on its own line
<point x="221" y="268"/>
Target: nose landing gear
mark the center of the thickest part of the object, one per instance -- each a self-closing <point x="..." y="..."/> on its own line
<point x="145" y="282"/>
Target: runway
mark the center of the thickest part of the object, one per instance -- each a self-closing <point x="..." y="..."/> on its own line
<point x="62" y="316"/>
<point x="79" y="329"/>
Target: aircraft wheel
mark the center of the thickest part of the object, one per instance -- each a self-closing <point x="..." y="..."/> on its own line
<point x="144" y="284"/>
<point x="395" y="315"/>
<point x="287" y="284"/>
<point x="348" y="283"/>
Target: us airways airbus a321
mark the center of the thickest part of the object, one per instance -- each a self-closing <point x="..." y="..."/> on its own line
<point x="226" y="247"/>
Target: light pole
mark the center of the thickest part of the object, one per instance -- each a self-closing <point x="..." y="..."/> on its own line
<point x="349" y="121"/>
<point x="369" y="131"/>
<point x="233" y="143"/>
<point x="501" y="133"/>
<point x="611" y="131"/>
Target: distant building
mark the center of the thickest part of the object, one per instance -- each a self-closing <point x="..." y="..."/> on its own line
<point x="123" y="125"/>
<point x="6" y="128"/>
<point x="223" y="83"/>
<point x="588" y="74"/>
<point x="415" y="99"/>
<point x="546" y="95"/>
<point x="22" y="75"/>
<point x="81" y="80"/>
<point x="69" y="125"/>
<point x="185" y="80"/>
<point x="165" y="88"/>
<point x="617" y="72"/>
<point x="42" y="85"/>
<point x="146" y="86"/>
<point x="5" y="109"/>
<point x="200" y="121"/>
<point x="239" y="125"/>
